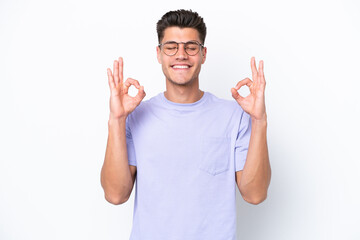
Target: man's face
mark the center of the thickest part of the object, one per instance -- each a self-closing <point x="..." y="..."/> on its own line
<point x="181" y="68"/>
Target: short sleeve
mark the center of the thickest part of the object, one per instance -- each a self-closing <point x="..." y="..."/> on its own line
<point x="242" y="141"/>
<point x="130" y="144"/>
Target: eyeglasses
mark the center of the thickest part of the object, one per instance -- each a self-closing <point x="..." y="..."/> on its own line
<point x="171" y="48"/>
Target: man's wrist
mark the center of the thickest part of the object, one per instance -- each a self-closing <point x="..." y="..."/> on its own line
<point x="116" y="119"/>
<point x="259" y="122"/>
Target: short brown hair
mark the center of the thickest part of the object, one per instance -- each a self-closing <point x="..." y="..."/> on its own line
<point x="183" y="19"/>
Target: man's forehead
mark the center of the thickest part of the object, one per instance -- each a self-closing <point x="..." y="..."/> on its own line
<point x="180" y="34"/>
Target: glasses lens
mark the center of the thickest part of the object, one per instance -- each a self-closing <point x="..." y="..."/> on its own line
<point x="170" y="48"/>
<point x="192" y="48"/>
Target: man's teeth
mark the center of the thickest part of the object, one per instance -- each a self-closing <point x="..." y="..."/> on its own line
<point x="177" y="66"/>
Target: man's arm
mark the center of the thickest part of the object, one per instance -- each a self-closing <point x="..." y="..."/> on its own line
<point x="117" y="176"/>
<point x="253" y="181"/>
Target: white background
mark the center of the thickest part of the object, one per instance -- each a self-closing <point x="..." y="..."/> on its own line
<point x="54" y="108"/>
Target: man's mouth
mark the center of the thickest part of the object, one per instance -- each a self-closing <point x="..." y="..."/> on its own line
<point x="180" y="66"/>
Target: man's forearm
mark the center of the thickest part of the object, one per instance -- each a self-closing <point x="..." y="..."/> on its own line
<point x="256" y="175"/>
<point x="115" y="174"/>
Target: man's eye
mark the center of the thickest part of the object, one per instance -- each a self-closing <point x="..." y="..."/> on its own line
<point x="170" y="48"/>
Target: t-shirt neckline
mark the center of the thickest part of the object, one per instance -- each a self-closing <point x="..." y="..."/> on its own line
<point x="184" y="105"/>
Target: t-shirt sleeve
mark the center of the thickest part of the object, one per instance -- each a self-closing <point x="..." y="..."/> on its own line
<point x="242" y="141"/>
<point x="130" y="144"/>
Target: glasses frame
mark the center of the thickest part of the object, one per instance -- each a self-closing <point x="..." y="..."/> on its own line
<point x="177" y="49"/>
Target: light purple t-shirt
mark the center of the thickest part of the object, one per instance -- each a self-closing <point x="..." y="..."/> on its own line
<point x="186" y="157"/>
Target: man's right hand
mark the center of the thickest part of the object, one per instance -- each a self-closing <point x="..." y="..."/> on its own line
<point x="121" y="103"/>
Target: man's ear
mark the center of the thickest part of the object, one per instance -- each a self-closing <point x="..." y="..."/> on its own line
<point x="203" y="53"/>
<point x="158" y="53"/>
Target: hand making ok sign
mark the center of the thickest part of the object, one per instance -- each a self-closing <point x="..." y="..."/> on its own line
<point x="254" y="103"/>
<point x="121" y="103"/>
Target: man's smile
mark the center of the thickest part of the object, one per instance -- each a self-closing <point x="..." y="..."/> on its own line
<point x="180" y="66"/>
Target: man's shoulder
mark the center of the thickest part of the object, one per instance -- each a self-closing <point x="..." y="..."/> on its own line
<point x="222" y="102"/>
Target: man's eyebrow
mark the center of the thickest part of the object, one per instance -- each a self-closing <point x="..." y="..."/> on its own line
<point x="193" y="41"/>
<point x="170" y="42"/>
<point x="190" y="41"/>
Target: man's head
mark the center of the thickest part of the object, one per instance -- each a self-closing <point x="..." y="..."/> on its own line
<point x="185" y="31"/>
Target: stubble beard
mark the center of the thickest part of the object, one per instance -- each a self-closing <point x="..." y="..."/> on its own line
<point x="183" y="84"/>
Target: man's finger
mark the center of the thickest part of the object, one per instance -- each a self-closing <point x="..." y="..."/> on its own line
<point x="262" y="82"/>
<point x="130" y="82"/>
<point x="116" y="73"/>
<point x="121" y="68"/>
<point x="254" y="70"/>
<point x="236" y="95"/>
<point x="110" y="78"/>
<point x="141" y="94"/>
<point x="243" y="82"/>
<point x="261" y="71"/>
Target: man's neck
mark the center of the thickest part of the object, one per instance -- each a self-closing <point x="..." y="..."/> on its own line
<point x="183" y="94"/>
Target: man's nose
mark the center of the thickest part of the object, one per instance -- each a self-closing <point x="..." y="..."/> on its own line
<point x="181" y="53"/>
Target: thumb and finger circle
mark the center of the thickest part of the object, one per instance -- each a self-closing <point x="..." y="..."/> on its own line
<point x="130" y="82"/>
<point x="246" y="81"/>
<point x="116" y="80"/>
<point x="234" y="91"/>
<point x="141" y="93"/>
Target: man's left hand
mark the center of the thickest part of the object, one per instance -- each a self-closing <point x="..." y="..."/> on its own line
<point x="254" y="103"/>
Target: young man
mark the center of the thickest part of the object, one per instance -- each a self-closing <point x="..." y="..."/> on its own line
<point x="186" y="148"/>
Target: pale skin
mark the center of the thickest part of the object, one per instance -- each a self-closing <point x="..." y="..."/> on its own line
<point x="182" y="86"/>
<point x="117" y="176"/>
<point x="253" y="181"/>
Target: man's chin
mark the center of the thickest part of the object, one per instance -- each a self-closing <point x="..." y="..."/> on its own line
<point x="179" y="82"/>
